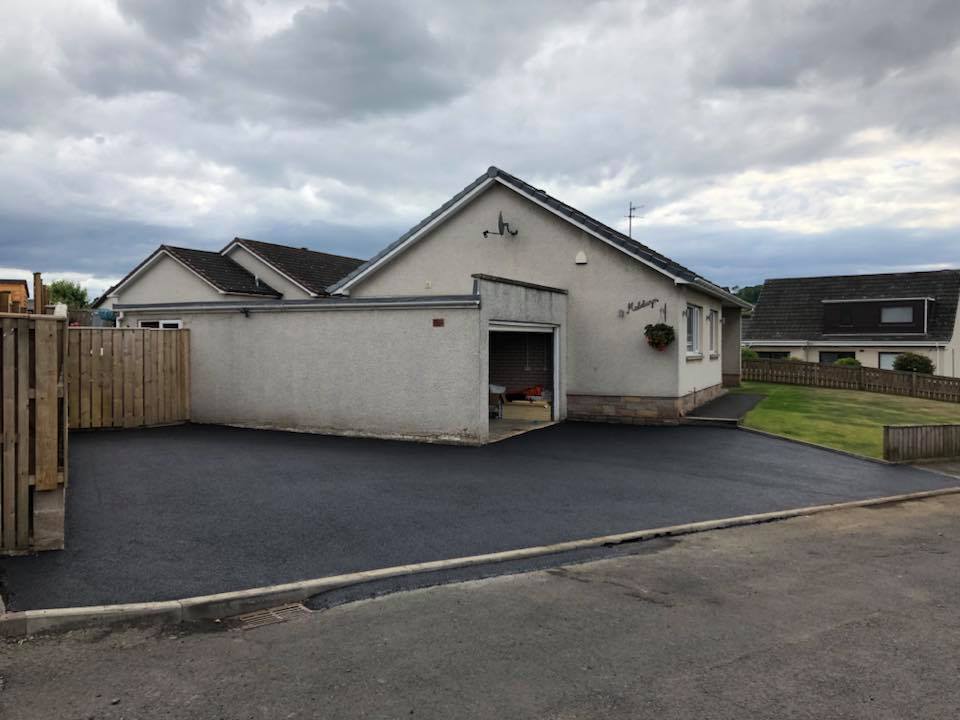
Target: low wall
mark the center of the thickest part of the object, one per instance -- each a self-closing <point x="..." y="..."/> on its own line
<point x="637" y="410"/>
<point x="405" y="374"/>
<point x="891" y="382"/>
<point x="905" y="443"/>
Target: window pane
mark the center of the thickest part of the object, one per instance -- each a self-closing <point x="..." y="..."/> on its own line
<point x="693" y="328"/>
<point x="886" y="360"/>
<point x="831" y="357"/>
<point x="896" y="314"/>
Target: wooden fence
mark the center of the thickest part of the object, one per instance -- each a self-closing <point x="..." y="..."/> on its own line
<point x="120" y="377"/>
<point x="891" y="382"/>
<point x="33" y="464"/>
<point x="904" y="443"/>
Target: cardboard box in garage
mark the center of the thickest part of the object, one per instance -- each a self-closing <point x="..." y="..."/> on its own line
<point x="527" y="410"/>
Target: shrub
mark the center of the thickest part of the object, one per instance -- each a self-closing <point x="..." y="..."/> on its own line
<point x="748" y="354"/>
<point x="913" y="362"/>
<point x="847" y="362"/>
<point x="660" y="335"/>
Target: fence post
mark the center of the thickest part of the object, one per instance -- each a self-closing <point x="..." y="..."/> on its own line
<point x="913" y="385"/>
<point x="37" y="294"/>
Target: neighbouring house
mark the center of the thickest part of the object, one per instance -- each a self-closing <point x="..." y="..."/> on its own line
<point x="503" y="291"/>
<point x="872" y="318"/>
<point x="19" y="291"/>
<point x="244" y="269"/>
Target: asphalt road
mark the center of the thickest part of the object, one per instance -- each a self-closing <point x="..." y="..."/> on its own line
<point x="850" y="615"/>
<point x="174" y="512"/>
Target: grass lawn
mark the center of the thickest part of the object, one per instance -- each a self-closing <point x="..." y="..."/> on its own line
<point x="844" y="419"/>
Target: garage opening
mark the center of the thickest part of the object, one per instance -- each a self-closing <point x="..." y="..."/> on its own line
<point x="522" y="381"/>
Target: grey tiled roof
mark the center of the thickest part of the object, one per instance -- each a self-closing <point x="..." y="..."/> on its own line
<point x="221" y="272"/>
<point x="615" y="237"/>
<point x="791" y="308"/>
<point x="311" y="269"/>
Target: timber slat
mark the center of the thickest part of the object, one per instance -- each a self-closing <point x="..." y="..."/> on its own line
<point x="46" y="411"/>
<point x="35" y="407"/>
<point x="891" y="382"/>
<point x="125" y="377"/>
<point x="8" y="507"/>
<point x="908" y="443"/>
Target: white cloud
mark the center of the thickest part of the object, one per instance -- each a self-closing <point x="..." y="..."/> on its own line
<point x="95" y="286"/>
<point x="898" y="184"/>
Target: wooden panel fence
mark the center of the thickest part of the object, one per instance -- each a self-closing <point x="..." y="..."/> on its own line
<point x="33" y="462"/>
<point x="124" y="377"/>
<point x="891" y="382"/>
<point x="905" y="443"/>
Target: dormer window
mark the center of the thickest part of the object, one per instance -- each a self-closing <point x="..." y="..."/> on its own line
<point x="876" y="316"/>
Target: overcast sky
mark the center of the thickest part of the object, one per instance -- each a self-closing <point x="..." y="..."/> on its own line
<point x="764" y="139"/>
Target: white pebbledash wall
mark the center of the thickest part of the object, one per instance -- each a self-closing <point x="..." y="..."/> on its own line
<point x="165" y="280"/>
<point x="387" y="372"/>
<point x="607" y="353"/>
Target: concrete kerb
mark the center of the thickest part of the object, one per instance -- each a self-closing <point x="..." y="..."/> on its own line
<point x="209" y="607"/>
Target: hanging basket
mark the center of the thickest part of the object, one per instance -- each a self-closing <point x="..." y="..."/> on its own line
<point x="659" y="336"/>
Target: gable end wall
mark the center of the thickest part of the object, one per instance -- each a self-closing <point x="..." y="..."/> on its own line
<point x="607" y="354"/>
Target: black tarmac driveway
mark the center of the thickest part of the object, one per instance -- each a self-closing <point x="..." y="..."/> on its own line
<point x="174" y="512"/>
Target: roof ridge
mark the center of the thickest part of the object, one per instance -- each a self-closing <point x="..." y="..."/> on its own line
<point x="294" y="247"/>
<point x="861" y="275"/>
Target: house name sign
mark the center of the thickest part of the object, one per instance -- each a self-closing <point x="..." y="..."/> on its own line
<point x="635" y="305"/>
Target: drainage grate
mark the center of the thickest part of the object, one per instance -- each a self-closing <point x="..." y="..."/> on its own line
<point x="270" y="616"/>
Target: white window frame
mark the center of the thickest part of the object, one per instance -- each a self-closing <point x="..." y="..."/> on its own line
<point x="713" y="327"/>
<point x="695" y="339"/>
<point x="172" y="324"/>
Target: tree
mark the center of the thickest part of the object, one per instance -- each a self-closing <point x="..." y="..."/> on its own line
<point x="750" y="293"/>
<point x="913" y="362"/>
<point x="748" y="354"/>
<point x="69" y="293"/>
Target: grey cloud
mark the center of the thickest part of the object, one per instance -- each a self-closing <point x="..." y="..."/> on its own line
<point x="179" y="20"/>
<point x="342" y="60"/>
<point x="782" y="44"/>
<point x="405" y="103"/>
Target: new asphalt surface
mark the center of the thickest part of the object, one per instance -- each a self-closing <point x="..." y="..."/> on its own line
<point x="167" y="513"/>
<point x="731" y="406"/>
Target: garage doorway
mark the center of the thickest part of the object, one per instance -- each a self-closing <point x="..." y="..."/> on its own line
<point x="522" y="379"/>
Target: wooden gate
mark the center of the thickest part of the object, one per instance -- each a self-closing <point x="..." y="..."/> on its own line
<point x="125" y="377"/>
<point x="33" y="465"/>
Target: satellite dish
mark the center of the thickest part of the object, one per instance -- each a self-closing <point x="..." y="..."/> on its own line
<point x="503" y="228"/>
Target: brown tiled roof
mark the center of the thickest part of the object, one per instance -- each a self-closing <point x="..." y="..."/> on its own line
<point x="309" y="268"/>
<point x="221" y="272"/>
<point x="792" y="308"/>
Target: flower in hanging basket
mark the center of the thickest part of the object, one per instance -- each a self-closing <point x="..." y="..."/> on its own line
<point x="659" y="336"/>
